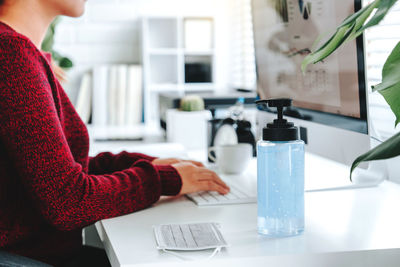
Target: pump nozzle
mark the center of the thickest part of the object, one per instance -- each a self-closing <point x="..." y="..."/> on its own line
<point x="280" y="129"/>
<point x="278" y="103"/>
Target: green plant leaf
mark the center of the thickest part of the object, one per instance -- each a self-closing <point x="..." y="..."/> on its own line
<point x="383" y="8"/>
<point x="328" y="48"/>
<point x="388" y="149"/>
<point x="65" y="63"/>
<point x="355" y="23"/>
<point x="56" y="56"/>
<point x="353" y="17"/>
<point x="359" y="22"/>
<point x="48" y="41"/>
<point x="47" y="45"/>
<point x="389" y="88"/>
<point x="346" y="30"/>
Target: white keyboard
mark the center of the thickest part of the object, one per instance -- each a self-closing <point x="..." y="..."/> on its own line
<point x="210" y="198"/>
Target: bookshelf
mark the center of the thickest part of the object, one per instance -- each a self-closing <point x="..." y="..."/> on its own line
<point x="178" y="56"/>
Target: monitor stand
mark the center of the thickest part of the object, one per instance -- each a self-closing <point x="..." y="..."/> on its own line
<point x="322" y="174"/>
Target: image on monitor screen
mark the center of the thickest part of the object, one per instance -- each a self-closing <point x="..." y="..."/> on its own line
<point x="284" y="33"/>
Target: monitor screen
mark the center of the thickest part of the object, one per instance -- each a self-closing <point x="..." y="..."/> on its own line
<point x="332" y="91"/>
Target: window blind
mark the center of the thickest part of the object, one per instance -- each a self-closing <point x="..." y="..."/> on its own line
<point x="380" y="41"/>
<point x="243" y="62"/>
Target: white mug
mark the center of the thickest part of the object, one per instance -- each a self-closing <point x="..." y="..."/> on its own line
<point x="232" y="159"/>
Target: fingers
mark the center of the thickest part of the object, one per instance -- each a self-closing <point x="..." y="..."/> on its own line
<point x="175" y="160"/>
<point x="214" y="177"/>
<point x="196" y="163"/>
<point x="211" y="185"/>
<point x="167" y="161"/>
<point x="207" y="175"/>
<point x="196" y="178"/>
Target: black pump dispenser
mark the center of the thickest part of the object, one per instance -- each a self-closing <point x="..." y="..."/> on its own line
<point x="280" y="129"/>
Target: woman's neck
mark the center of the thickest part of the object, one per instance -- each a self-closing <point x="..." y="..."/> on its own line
<point x="28" y="18"/>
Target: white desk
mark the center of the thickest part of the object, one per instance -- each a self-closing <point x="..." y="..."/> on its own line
<point x="358" y="227"/>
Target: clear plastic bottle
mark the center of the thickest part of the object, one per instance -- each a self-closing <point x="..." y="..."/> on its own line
<point x="236" y="112"/>
<point x="280" y="188"/>
<point x="280" y="177"/>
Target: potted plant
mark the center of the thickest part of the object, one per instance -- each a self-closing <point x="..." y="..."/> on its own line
<point x="188" y="124"/>
<point x="352" y="27"/>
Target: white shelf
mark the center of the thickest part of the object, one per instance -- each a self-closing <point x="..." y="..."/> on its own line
<point x="163" y="51"/>
<point x="162" y="32"/>
<point x="162" y="87"/>
<point x="169" y="65"/>
<point x="190" y="87"/>
<point x="163" y="69"/>
<point x="199" y="53"/>
<point x="198" y="33"/>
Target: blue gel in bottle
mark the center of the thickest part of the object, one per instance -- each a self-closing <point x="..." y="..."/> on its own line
<point x="280" y="176"/>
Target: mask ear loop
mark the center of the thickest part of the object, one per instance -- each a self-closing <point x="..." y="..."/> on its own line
<point x="216" y="250"/>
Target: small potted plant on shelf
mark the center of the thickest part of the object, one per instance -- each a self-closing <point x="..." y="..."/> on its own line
<point x="188" y="124"/>
<point x="352" y="27"/>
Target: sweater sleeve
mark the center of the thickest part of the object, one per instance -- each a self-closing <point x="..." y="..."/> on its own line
<point x="107" y="162"/>
<point x="40" y="156"/>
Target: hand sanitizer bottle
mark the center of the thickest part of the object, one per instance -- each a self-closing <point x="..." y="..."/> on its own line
<point x="280" y="176"/>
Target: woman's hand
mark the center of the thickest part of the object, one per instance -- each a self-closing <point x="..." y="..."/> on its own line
<point x="195" y="178"/>
<point x="170" y="161"/>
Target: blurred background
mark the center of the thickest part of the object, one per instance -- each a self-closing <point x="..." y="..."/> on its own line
<point x="128" y="53"/>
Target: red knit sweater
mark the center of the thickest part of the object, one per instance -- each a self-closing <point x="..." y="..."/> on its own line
<point x="49" y="187"/>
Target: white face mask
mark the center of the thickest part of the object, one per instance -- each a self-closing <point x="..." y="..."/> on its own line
<point x="189" y="237"/>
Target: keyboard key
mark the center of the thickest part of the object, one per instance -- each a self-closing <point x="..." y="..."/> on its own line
<point x="231" y="196"/>
<point x="238" y="193"/>
<point x="235" y="196"/>
<point x="209" y="198"/>
<point x="218" y="196"/>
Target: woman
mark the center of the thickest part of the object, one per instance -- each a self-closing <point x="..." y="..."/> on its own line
<point x="49" y="188"/>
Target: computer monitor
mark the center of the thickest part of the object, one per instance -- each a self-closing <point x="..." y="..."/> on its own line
<point x="330" y="102"/>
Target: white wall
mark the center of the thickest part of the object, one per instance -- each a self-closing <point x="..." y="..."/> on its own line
<point x="109" y="32"/>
